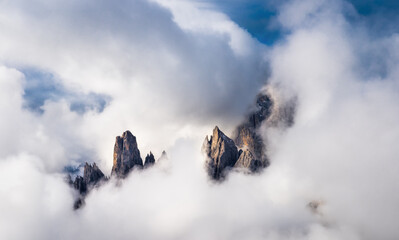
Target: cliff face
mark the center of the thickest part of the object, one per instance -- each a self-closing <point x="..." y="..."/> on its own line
<point x="248" y="138"/>
<point x="271" y="110"/>
<point x="248" y="161"/>
<point x="221" y="154"/>
<point x="126" y="155"/>
<point x="91" y="177"/>
<point x="92" y="174"/>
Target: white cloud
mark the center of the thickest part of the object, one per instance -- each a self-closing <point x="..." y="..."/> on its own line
<point x="173" y="72"/>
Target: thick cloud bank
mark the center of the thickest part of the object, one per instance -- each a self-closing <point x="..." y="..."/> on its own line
<point x="171" y="71"/>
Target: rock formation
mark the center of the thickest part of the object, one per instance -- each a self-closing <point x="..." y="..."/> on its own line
<point x="221" y="154"/>
<point x="92" y="174"/>
<point x="270" y="110"/>
<point x="247" y="160"/>
<point x="126" y="155"/>
<point x="149" y="160"/>
<point x="247" y="137"/>
<point x="80" y="185"/>
<point x="163" y="156"/>
<point x="91" y="178"/>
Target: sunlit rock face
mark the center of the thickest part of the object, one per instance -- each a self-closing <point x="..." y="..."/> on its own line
<point x="248" y="138"/>
<point x="271" y="110"/>
<point x="126" y="155"/>
<point x="283" y="110"/>
<point x="247" y="160"/>
<point x="221" y="154"/>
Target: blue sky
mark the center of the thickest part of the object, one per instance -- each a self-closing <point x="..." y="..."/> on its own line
<point x="169" y="71"/>
<point x="258" y="16"/>
<point x="41" y="86"/>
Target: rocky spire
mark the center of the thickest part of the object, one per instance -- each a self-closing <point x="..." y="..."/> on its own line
<point x="163" y="156"/>
<point x="126" y="155"/>
<point x="272" y="110"/>
<point x="247" y="137"/>
<point x="80" y="185"/>
<point x="149" y="160"/>
<point x="221" y="154"/>
<point x="92" y="174"/>
<point x="248" y="161"/>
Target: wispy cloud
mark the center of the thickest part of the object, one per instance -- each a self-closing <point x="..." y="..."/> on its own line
<point x="174" y="70"/>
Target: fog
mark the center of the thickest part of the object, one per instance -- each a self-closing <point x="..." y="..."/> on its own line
<point x="171" y="71"/>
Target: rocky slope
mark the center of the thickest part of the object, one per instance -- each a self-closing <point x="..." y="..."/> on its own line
<point x="246" y="151"/>
<point x="91" y="178"/>
<point x="248" y="139"/>
<point x="221" y="152"/>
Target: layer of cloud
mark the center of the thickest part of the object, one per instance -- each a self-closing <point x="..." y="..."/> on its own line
<point x="173" y="70"/>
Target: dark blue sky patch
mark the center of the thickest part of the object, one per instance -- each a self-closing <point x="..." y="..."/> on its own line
<point x="379" y="17"/>
<point x="73" y="170"/>
<point x="41" y="86"/>
<point x="256" y="16"/>
<point x="370" y="7"/>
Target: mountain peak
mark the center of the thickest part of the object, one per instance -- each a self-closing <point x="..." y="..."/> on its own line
<point x="149" y="160"/>
<point x="221" y="153"/>
<point x="126" y="155"/>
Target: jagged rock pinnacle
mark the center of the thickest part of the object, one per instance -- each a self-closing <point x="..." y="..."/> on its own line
<point x="149" y="160"/>
<point x="247" y="137"/>
<point x="126" y="155"/>
<point x="221" y="153"/>
<point x="92" y="174"/>
<point x="247" y="160"/>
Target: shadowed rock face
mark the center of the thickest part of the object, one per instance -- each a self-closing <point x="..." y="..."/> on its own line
<point x="80" y="184"/>
<point x="163" y="156"/>
<point x="91" y="177"/>
<point x="126" y="155"/>
<point x="92" y="174"/>
<point x="272" y="110"/>
<point x="149" y="160"/>
<point x="221" y="154"/>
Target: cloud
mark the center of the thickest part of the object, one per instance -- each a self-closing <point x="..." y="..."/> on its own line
<point x="173" y="70"/>
<point x="168" y="75"/>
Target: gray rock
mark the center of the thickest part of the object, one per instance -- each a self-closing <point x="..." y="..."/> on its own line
<point x="221" y="154"/>
<point x="247" y="137"/>
<point x="149" y="160"/>
<point x="92" y="174"/>
<point x="126" y="155"/>
<point x="163" y="156"/>
<point x="80" y="185"/>
<point x="248" y="161"/>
